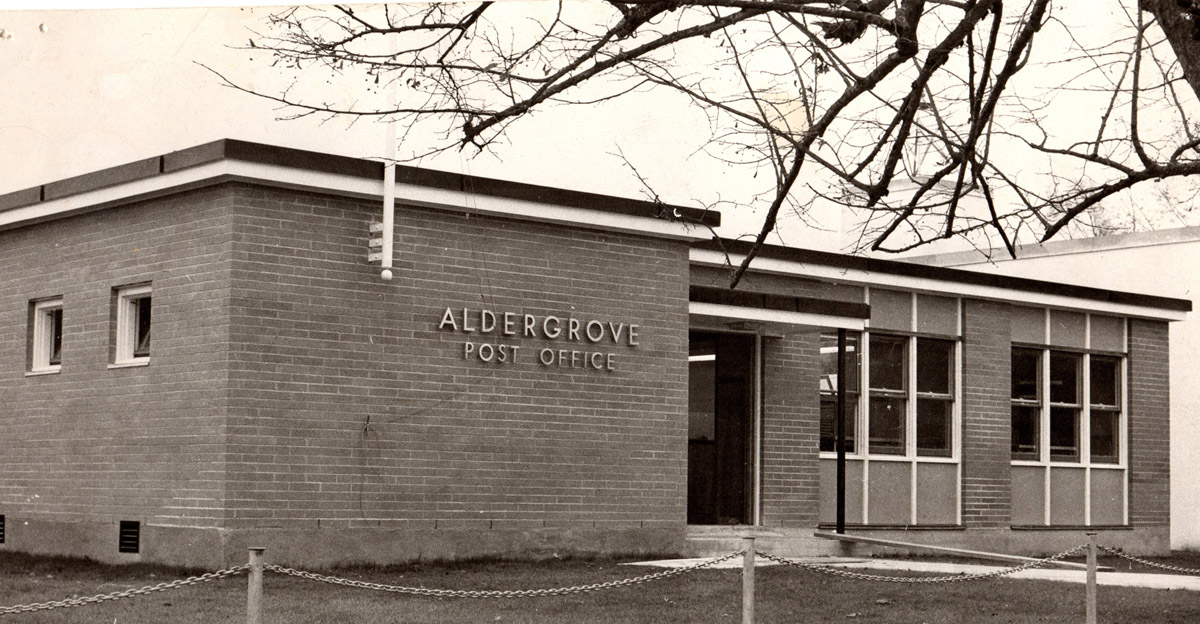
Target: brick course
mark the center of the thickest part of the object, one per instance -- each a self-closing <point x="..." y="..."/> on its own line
<point x="348" y="403"/>
<point x="1149" y="424"/>
<point x="791" y="479"/>
<point x="987" y="418"/>
<point x="144" y="443"/>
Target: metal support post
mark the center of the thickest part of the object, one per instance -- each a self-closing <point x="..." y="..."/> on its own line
<point x="840" y="432"/>
<point x="254" y="587"/>
<point x="1091" y="578"/>
<point x="748" y="581"/>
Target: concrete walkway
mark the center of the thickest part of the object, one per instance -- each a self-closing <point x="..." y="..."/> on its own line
<point x="896" y="567"/>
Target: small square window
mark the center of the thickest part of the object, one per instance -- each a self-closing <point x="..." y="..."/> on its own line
<point x="45" y="336"/>
<point x="133" y="307"/>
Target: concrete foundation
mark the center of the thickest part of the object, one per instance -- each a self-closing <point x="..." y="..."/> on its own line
<point x="213" y="548"/>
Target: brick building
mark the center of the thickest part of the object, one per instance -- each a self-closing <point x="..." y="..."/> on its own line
<point x="199" y="357"/>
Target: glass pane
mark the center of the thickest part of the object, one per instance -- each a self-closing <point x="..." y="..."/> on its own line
<point x="935" y="365"/>
<point x="1064" y="434"/>
<point x="1025" y="431"/>
<point x="888" y="355"/>
<point x="1026" y="375"/>
<point x="829" y="422"/>
<point x="1104" y="374"/>
<point x="829" y="366"/>
<point x="55" y="318"/>
<point x="142" y="345"/>
<point x="1064" y="378"/>
<point x="1105" y="436"/>
<point x="934" y="427"/>
<point x="887" y="425"/>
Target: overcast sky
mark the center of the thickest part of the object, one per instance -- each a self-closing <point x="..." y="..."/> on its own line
<point x="89" y="89"/>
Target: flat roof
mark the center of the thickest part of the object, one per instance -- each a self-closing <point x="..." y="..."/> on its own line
<point x="317" y="162"/>
<point x="160" y="175"/>
<point x="876" y="266"/>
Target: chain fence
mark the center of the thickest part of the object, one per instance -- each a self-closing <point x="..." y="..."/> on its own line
<point x="256" y="567"/>
<point x="1162" y="566"/>
<point x="128" y="593"/>
<point x="958" y="578"/>
<point x="512" y="593"/>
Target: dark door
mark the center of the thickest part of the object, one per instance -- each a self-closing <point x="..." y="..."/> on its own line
<point x="720" y="428"/>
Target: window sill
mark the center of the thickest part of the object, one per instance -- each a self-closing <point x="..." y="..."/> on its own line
<point x="1072" y="465"/>
<point x="130" y="364"/>
<point x="39" y="373"/>
<point x="1071" y="527"/>
<point x="829" y="526"/>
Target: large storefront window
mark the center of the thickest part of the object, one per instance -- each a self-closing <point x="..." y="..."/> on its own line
<point x="1067" y="419"/>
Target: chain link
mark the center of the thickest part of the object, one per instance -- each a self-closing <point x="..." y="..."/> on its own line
<point x="1161" y="566"/>
<point x="515" y="593"/>
<point x="128" y="593"/>
<point x="827" y="569"/>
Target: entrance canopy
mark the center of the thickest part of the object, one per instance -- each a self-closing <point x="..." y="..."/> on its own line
<point x="770" y="313"/>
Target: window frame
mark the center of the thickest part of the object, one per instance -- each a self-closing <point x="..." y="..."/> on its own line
<point x="947" y="399"/>
<point x="45" y="334"/>
<point x="828" y="392"/>
<point x="1034" y="404"/>
<point x="858" y="403"/>
<point x="898" y="395"/>
<point x="1083" y="407"/>
<point x="1075" y="407"/>
<point x="1114" y="409"/>
<point x="128" y="337"/>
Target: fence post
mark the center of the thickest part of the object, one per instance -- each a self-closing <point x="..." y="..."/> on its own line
<point x="254" y="587"/>
<point x="748" y="581"/>
<point x="1091" y="578"/>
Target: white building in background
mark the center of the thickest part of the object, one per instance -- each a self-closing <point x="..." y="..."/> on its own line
<point x="1165" y="263"/>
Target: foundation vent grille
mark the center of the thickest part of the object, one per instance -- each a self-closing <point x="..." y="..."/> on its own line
<point x="129" y="536"/>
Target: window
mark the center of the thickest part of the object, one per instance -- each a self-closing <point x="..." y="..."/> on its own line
<point x="133" y="307"/>
<point x="1105" y="416"/>
<point x="935" y="397"/>
<point x="829" y="389"/>
<point x="888" y="404"/>
<point x="45" y="336"/>
<point x="890" y="408"/>
<point x="1026" y="403"/>
<point x="1065" y="406"/>
<point x="1058" y="397"/>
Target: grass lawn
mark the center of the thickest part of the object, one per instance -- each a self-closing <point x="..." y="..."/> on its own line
<point x="784" y="595"/>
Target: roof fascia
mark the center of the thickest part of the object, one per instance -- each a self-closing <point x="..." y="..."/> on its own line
<point x="942" y="282"/>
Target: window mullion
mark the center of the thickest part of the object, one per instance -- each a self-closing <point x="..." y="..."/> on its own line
<point x="910" y="399"/>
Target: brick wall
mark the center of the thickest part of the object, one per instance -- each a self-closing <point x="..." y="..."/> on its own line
<point x="349" y="407"/>
<point x="1149" y="424"/>
<point x="987" y="418"/>
<point x="100" y="444"/>
<point x="790" y="430"/>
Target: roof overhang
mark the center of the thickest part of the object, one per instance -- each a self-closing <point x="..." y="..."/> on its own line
<point x="942" y="281"/>
<point x="227" y="160"/>
<point x="770" y="313"/>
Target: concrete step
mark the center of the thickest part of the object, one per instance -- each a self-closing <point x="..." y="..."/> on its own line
<point x="713" y="541"/>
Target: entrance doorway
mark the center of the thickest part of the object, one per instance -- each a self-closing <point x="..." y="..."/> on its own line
<point x="721" y="440"/>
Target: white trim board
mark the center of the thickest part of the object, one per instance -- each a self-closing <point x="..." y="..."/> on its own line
<point x="928" y="285"/>
<point x="347" y="186"/>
